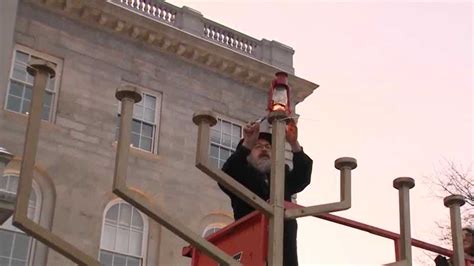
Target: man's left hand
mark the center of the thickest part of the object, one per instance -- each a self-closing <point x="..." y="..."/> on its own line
<point x="292" y="136"/>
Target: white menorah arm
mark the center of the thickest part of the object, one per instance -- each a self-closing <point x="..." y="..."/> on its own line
<point x="345" y="165"/>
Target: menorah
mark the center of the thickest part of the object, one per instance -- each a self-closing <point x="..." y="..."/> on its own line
<point x="274" y="209"/>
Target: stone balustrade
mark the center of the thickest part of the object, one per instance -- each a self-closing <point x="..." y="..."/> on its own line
<point x="230" y="38"/>
<point x="193" y="22"/>
<point x="155" y="9"/>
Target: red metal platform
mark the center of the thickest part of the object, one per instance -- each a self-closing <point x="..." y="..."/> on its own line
<point x="247" y="239"/>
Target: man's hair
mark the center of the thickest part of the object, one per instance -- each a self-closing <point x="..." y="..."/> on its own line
<point x="263" y="135"/>
<point x="469" y="230"/>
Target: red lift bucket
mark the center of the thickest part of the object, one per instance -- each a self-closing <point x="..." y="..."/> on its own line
<point x="246" y="240"/>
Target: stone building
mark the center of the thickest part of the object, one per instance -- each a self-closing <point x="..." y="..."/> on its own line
<point x="183" y="63"/>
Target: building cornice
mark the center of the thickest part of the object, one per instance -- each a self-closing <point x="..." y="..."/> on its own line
<point x="169" y="39"/>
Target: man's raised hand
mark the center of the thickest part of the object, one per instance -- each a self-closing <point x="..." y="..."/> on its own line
<point x="251" y="132"/>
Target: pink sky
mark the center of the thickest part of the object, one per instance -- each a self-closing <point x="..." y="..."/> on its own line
<point x="395" y="93"/>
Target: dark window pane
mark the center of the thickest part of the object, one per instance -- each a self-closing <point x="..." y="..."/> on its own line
<point x="137" y="219"/>
<point x="150" y="102"/>
<point x="236" y="130"/>
<point x="217" y="127"/>
<point x="3" y="182"/>
<point x="235" y="141"/>
<point x="21" y="57"/>
<point x="125" y="214"/>
<point x="25" y="107"/>
<point x="13" y="184"/>
<point x="18" y="263"/>
<point x="224" y="154"/>
<point x="112" y="213"/>
<point x="16" y="88"/>
<point x="45" y="113"/>
<point x="4" y="261"/>
<point x="226" y="139"/>
<point x="147" y="130"/>
<point x="149" y="115"/>
<point x="108" y="236"/>
<point x="119" y="260"/>
<point x="121" y="245"/>
<point x="47" y="99"/>
<point x="28" y="92"/>
<point x="215" y="136"/>
<point x="136" y="126"/>
<point x="6" y="238"/>
<point x="50" y="85"/>
<point x="29" y="78"/>
<point x="220" y="163"/>
<point x="14" y="104"/>
<point x="19" y="72"/>
<point x="214" y="151"/>
<point x="226" y="127"/>
<point x="136" y="239"/>
<point x="138" y="112"/>
<point x="145" y="144"/>
<point x="20" y="250"/>
<point x="133" y="261"/>
<point x="135" y="140"/>
<point x="105" y="258"/>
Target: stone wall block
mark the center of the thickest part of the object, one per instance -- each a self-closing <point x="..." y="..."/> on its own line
<point x="83" y="137"/>
<point x="60" y="121"/>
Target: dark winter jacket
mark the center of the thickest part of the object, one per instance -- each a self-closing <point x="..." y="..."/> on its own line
<point x="295" y="181"/>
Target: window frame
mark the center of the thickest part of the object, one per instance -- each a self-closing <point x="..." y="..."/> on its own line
<point x="145" y="231"/>
<point x="156" y="124"/>
<point x="212" y="226"/>
<point x="57" y="81"/>
<point x="233" y="122"/>
<point x="36" y="217"/>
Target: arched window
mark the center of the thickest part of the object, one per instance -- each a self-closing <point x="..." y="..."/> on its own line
<point x="211" y="229"/>
<point x="17" y="248"/>
<point x="124" y="235"/>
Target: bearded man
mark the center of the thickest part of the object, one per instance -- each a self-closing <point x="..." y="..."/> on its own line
<point x="250" y="165"/>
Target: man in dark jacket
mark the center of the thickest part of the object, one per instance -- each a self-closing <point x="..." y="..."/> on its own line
<point x="468" y="245"/>
<point x="250" y="165"/>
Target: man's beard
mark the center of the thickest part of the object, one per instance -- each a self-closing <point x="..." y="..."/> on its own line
<point x="262" y="164"/>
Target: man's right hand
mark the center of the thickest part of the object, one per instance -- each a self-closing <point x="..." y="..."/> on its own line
<point x="251" y="132"/>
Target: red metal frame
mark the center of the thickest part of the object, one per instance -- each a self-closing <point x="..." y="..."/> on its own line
<point x="232" y="228"/>
<point x="382" y="233"/>
<point x="249" y="235"/>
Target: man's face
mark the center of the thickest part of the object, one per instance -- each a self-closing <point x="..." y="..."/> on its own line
<point x="262" y="149"/>
<point x="260" y="156"/>
<point x="468" y="242"/>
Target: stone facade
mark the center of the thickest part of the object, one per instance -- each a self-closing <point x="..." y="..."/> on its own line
<point x="76" y="154"/>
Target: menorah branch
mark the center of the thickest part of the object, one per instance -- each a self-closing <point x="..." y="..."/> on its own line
<point x="454" y="203"/>
<point x="41" y="70"/>
<point x="345" y="166"/>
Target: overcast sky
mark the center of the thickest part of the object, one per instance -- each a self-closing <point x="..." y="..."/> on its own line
<point x="395" y="93"/>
